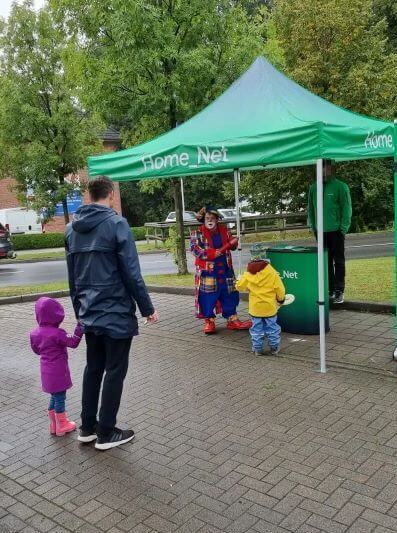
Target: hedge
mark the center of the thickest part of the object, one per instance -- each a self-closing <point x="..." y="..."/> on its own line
<point x="35" y="241"/>
<point x="139" y="233"/>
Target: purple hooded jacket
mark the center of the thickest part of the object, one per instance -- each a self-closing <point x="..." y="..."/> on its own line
<point x="51" y="343"/>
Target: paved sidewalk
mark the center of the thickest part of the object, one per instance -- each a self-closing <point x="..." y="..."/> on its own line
<point x="226" y="442"/>
<point x="356" y="340"/>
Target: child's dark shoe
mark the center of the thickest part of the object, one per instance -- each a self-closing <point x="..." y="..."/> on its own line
<point x="274" y="350"/>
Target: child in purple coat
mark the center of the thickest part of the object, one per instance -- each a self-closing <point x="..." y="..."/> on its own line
<point x="50" y="342"/>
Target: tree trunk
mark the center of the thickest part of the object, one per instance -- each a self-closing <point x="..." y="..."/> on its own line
<point x="181" y="247"/>
<point x="64" y="203"/>
<point x="176" y="188"/>
<point x="65" y="211"/>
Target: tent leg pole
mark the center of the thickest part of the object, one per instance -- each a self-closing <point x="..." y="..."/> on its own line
<point x="183" y="197"/>
<point x="320" y="258"/>
<point x="237" y="202"/>
<point x="395" y="223"/>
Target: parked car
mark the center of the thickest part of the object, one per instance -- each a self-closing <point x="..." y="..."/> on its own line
<point x="6" y="248"/>
<point x="189" y="216"/>
<point x="227" y="213"/>
<point x="230" y="214"/>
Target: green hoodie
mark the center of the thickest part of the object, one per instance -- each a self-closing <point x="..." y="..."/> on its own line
<point x="337" y="206"/>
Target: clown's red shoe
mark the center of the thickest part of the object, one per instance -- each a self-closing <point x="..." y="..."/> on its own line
<point x="209" y="326"/>
<point x="239" y="325"/>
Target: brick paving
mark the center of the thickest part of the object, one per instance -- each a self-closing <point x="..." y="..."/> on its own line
<point x="226" y="442"/>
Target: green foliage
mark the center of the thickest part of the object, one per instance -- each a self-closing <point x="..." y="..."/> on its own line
<point x="203" y="190"/>
<point x="371" y="186"/>
<point x="140" y="205"/>
<point x="45" y="134"/>
<point x="387" y="9"/>
<point x="148" y="65"/>
<point x="156" y="63"/>
<point x="37" y="241"/>
<point x="172" y="243"/>
<point x="281" y="190"/>
<point x="139" y="233"/>
<point x="151" y="200"/>
<point x="344" y="56"/>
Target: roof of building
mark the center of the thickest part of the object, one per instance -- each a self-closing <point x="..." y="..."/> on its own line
<point x="110" y="135"/>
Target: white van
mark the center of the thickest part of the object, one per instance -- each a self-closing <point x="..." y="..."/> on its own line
<point x="20" y="220"/>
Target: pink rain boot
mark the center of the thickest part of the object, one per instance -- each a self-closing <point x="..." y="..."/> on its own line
<point x="64" y="425"/>
<point x="51" y="416"/>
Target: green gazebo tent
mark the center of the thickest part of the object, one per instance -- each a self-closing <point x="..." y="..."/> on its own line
<point x="264" y="120"/>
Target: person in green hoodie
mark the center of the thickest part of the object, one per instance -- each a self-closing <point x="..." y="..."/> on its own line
<point x="337" y="220"/>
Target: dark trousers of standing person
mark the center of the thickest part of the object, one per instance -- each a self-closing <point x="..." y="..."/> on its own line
<point x="107" y="359"/>
<point x="334" y="241"/>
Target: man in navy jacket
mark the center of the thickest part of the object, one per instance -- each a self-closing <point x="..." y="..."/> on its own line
<point x="106" y="285"/>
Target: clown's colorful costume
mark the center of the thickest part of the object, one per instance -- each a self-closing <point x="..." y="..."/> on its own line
<point x="215" y="282"/>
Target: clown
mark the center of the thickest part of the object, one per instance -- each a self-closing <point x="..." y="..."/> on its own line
<point x="215" y="281"/>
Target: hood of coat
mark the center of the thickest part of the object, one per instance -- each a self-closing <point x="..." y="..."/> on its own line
<point x="259" y="272"/>
<point x="257" y="265"/>
<point x="88" y="217"/>
<point x="49" y="312"/>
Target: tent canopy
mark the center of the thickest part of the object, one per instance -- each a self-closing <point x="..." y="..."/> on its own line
<point x="264" y="119"/>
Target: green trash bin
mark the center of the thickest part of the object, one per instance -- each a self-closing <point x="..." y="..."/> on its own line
<point x="297" y="266"/>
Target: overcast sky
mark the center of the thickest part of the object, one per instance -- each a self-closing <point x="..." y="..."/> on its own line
<point x="5" y="6"/>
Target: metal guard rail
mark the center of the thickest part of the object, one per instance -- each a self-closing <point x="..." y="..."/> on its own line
<point x="160" y="229"/>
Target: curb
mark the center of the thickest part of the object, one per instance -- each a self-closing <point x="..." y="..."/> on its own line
<point x="349" y="305"/>
<point x="24" y="261"/>
<point x="48" y="259"/>
<point x="164" y="289"/>
<point x="32" y="297"/>
<point x="366" y="307"/>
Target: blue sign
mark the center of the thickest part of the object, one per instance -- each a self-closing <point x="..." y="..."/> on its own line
<point x="74" y="201"/>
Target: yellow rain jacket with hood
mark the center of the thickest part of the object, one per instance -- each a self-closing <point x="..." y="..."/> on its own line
<point x="266" y="290"/>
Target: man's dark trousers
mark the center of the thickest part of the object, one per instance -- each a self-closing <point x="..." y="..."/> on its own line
<point x="108" y="356"/>
<point x="334" y="241"/>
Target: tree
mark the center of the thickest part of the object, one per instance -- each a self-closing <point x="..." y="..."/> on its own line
<point x="140" y="206"/>
<point x="254" y="5"/>
<point x="149" y="204"/>
<point x="343" y="55"/>
<point x="387" y="9"/>
<point x="206" y="190"/>
<point x="45" y="136"/>
<point x="274" y="191"/>
<point x="155" y="63"/>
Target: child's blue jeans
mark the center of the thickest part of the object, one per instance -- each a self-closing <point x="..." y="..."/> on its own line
<point x="57" y="402"/>
<point x="265" y="328"/>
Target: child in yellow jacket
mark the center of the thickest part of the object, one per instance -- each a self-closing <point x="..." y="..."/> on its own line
<point x="266" y="294"/>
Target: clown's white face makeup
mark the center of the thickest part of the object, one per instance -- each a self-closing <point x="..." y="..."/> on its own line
<point x="210" y="221"/>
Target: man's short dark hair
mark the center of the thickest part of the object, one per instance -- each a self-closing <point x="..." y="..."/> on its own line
<point x="100" y="188"/>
